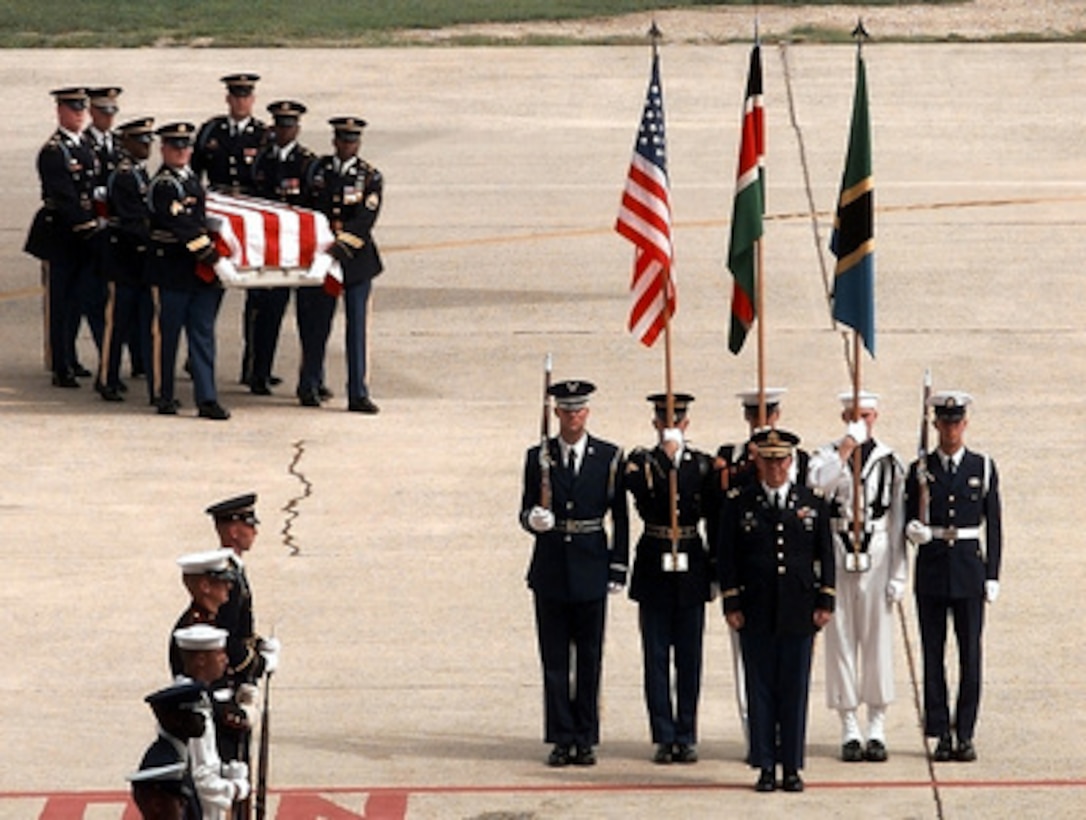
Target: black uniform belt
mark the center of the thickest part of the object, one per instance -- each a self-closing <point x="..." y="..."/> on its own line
<point x="578" y="526"/>
<point x="664" y="531"/>
<point x="163" y="237"/>
<point x="955" y="533"/>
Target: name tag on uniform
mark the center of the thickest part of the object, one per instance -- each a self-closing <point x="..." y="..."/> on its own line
<point x="675" y="562"/>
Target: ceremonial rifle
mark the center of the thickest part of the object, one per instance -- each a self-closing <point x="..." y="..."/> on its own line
<point x="544" y="438"/>
<point x="262" y="757"/>
<point x="923" y="477"/>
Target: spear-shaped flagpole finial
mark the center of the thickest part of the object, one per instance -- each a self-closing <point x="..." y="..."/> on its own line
<point x="859" y="34"/>
<point x="655" y="34"/>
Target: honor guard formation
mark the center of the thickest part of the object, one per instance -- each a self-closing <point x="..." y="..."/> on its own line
<point x="794" y="544"/>
<point x="134" y="254"/>
<point x="201" y="764"/>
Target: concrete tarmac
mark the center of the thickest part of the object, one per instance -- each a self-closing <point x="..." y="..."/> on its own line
<point x="390" y="562"/>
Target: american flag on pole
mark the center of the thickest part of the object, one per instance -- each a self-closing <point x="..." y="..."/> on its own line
<point x="644" y="218"/>
<point x="257" y="234"/>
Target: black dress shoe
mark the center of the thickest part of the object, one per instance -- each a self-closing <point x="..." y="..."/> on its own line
<point x="274" y="381"/>
<point x="214" y="411"/>
<point x="584" y="756"/>
<point x="80" y="371"/>
<point x="943" y="750"/>
<point x="766" y="781"/>
<point x="852" y="752"/>
<point x="64" y="380"/>
<point x="166" y="407"/>
<point x="110" y="394"/>
<point x="792" y="782"/>
<point x="363" y="405"/>
<point x="259" y="387"/>
<point x="685" y="753"/>
<point x="308" y="398"/>
<point x="121" y="387"/>
<point x="876" y="751"/>
<point x="965" y="753"/>
<point x="663" y="754"/>
<point x="324" y="393"/>
<point x="559" y="756"/>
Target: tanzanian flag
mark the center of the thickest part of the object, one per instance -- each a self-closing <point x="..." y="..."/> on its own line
<point x="853" y="240"/>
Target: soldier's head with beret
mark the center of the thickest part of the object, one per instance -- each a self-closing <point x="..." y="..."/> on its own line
<point x="241" y="93"/>
<point x="950" y="418"/>
<point x="71" y="107"/>
<point x="235" y="522"/>
<point x="103" y="106"/>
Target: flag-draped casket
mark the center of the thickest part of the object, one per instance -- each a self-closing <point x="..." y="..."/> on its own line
<point x="272" y="244"/>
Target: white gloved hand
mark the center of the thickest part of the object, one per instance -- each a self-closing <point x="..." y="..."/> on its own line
<point x="895" y="591"/>
<point x="319" y="269"/>
<point x="714" y="590"/>
<point x="269" y="651"/>
<point x="857" y="431"/>
<point x="235" y="770"/>
<point x="613" y="587"/>
<point x="918" y="532"/>
<point x="247" y="694"/>
<point x="991" y="591"/>
<point x="100" y="193"/>
<point x="225" y="270"/>
<point x="672" y="434"/>
<point x="243" y="789"/>
<point x="540" y="519"/>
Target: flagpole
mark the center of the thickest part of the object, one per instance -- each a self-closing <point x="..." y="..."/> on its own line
<point x="673" y="474"/>
<point x="759" y="312"/>
<point x="857" y="454"/>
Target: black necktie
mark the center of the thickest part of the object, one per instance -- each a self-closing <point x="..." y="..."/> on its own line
<point x="571" y="461"/>
<point x="951" y="468"/>
<point x="776" y="501"/>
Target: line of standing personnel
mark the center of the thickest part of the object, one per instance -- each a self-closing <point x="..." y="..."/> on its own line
<point x="794" y="553"/>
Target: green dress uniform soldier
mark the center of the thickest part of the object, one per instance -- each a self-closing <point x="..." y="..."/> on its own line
<point x="775" y="555"/>
<point x="182" y="268"/>
<point x="573" y="567"/>
<point x="124" y="258"/>
<point x="162" y="787"/>
<point x="279" y="172"/>
<point x="226" y="152"/>
<point x="348" y="190"/>
<point x="959" y="539"/>
<point x="735" y="464"/>
<point x="672" y="582"/>
<point x="61" y="233"/>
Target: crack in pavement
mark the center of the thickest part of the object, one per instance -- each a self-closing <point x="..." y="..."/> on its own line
<point x="291" y="507"/>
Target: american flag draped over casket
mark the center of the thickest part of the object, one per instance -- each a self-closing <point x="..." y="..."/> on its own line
<point x="272" y="244"/>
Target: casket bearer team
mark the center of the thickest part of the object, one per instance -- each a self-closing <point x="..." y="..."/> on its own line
<point x="279" y="173"/>
<point x="226" y="150"/>
<point x="182" y="268"/>
<point x="959" y="542"/>
<point x="348" y="190"/>
<point x="125" y="252"/>
<point x="777" y="583"/>
<point x="573" y="567"/>
<point x="672" y="583"/>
